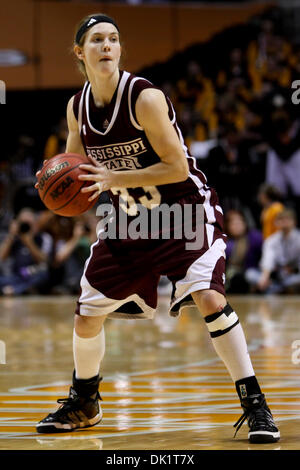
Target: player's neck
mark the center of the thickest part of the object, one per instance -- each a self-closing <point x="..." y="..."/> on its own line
<point x="103" y="88"/>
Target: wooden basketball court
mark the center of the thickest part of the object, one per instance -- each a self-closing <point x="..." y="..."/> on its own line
<point x="163" y="387"/>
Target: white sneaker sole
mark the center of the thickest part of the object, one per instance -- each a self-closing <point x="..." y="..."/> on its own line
<point x="263" y="436"/>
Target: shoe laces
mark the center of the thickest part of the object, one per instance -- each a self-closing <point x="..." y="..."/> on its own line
<point x="68" y="404"/>
<point x="240" y="422"/>
<point x="259" y="416"/>
<point x="72" y="403"/>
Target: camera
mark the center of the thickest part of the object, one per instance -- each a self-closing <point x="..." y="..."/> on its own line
<point x="24" y="227"/>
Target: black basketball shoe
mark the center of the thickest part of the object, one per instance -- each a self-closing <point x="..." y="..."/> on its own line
<point x="80" y="410"/>
<point x="261" y="424"/>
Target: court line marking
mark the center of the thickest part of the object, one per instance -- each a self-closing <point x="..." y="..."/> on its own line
<point x="155" y="402"/>
<point x="214" y="409"/>
<point x="252" y="347"/>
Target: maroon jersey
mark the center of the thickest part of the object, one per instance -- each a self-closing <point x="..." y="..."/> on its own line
<point x="113" y="137"/>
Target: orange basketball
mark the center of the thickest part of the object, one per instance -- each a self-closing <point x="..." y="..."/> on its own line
<point x="60" y="188"/>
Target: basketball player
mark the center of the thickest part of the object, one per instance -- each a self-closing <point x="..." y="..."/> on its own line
<point x="128" y="128"/>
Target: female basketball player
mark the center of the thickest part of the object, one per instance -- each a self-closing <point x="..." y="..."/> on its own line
<point x="128" y="129"/>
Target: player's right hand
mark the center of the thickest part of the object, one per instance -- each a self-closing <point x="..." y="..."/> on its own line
<point x="37" y="175"/>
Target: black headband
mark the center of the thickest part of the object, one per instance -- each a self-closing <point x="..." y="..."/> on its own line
<point x="91" y="22"/>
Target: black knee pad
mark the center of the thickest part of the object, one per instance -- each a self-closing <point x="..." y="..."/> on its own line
<point x="221" y="322"/>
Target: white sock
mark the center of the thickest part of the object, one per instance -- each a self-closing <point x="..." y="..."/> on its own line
<point x="231" y="347"/>
<point x="88" y="354"/>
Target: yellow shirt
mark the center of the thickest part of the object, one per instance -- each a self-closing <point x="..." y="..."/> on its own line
<point x="268" y="218"/>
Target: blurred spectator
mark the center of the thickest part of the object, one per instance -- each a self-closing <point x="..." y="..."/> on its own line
<point x="280" y="262"/>
<point x="270" y="199"/>
<point x="295" y="62"/>
<point x="195" y="104"/>
<point x="283" y="158"/>
<point x="73" y="238"/>
<point x="22" y="162"/>
<point x="236" y="68"/>
<point x="60" y="229"/>
<point x="243" y="251"/>
<point x="228" y="169"/>
<point x="56" y="142"/>
<point x="268" y="58"/>
<point x="5" y="200"/>
<point x="22" y="168"/>
<point x="29" y="251"/>
<point x="73" y="253"/>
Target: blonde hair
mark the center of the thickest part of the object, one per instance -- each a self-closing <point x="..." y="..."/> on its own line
<point x="80" y="63"/>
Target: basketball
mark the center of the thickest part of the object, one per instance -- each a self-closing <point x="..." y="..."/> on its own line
<point x="59" y="186"/>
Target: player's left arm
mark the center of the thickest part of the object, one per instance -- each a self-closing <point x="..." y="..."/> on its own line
<point x="152" y="115"/>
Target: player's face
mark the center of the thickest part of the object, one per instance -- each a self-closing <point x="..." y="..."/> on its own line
<point x="101" y="51"/>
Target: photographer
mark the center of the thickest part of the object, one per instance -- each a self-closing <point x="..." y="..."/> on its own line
<point x="280" y="262"/>
<point x="71" y="253"/>
<point x="29" y="252"/>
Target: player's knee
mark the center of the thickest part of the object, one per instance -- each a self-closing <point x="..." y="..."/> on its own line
<point x="88" y="327"/>
<point x="222" y="322"/>
<point x="209" y="301"/>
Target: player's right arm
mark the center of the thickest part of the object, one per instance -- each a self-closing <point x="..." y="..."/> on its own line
<point x="74" y="144"/>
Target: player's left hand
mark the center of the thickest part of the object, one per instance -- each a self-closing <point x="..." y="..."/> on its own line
<point x="98" y="173"/>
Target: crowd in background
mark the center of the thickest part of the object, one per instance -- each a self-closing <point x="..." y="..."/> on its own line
<point x="239" y="121"/>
